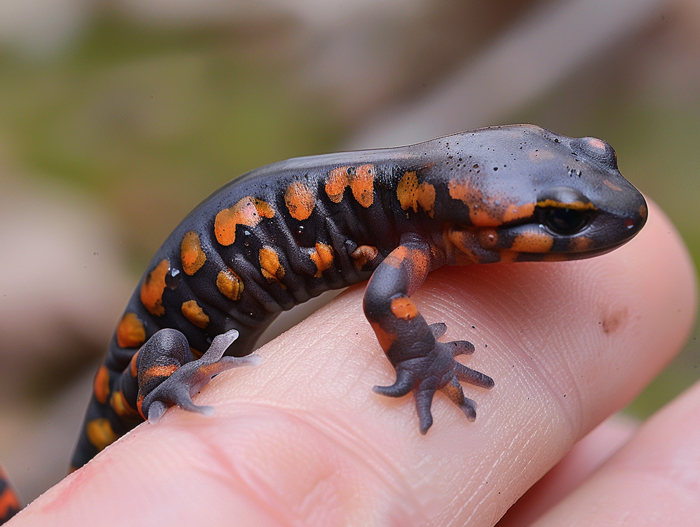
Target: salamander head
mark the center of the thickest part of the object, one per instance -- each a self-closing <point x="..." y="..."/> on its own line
<point x="524" y="193"/>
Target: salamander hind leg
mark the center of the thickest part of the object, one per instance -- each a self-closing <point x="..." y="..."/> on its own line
<point x="423" y="364"/>
<point x="168" y="376"/>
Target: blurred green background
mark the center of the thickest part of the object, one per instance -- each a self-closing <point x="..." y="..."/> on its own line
<point x="138" y="110"/>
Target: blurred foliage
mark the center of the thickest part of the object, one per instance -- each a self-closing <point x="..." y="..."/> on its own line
<point x="154" y="119"/>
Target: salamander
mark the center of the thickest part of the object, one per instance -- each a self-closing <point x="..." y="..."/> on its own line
<point x="282" y="234"/>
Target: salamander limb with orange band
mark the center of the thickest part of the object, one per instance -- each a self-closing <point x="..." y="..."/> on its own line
<point x="285" y="233"/>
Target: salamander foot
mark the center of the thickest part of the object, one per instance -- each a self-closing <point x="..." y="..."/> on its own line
<point x="437" y="370"/>
<point x="185" y="381"/>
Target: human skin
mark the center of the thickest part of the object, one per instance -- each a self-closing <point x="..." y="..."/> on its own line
<point x="303" y="440"/>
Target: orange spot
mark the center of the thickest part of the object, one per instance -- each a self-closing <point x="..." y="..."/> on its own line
<point x="580" y="244"/>
<point x="100" y="434"/>
<point x="508" y="256"/>
<point x="488" y="211"/>
<point x="139" y="406"/>
<point x="8" y="502"/>
<point x="153" y="287"/>
<point x="197" y="354"/>
<point x="386" y="340"/>
<point x="596" y="143"/>
<point x="532" y="242"/>
<point x="426" y="198"/>
<point x="130" y="331"/>
<point x="461" y="246"/>
<point x="121" y="406"/>
<point x="191" y="253"/>
<point x="403" y="308"/>
<point x="165" y="370"/>
<point x="300" y="200"/>
<point x="479" y="212"/>
<point x="362" y="185"/>
<point x="611" y="185"/>
<point x="363" y="254"/>
<point x="322" y="256"/>
<point x="195" y="314"/>
<point x="229" y="284"/>
<point x="643" y="212"/>
<point x="413" y="195"/>
<point x="248" y="211"/>
<point x="100" y="385"/>
<point x="133" y="365"/>
<point x="270" y="265"/>
<point x="406" y="191"/>
<point x="337" y="182"/>
<point x="397" y="257"/>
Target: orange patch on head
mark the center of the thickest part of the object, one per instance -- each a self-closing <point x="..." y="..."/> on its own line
<point x="580" y="244"/>
<point x="120" y="405"/>
<point x="300" y="200"/>
<point x="596" y="143"/>
<point x="153" y="287"/>
<point x="322" y="256"/>
<point x="362" y="185"/>
<point x="229" y="284"/>
<point x="270" y="265"/>
<point x="516" y="212"/>
<point x="248" y="211"/>
<point x="100" y="385"/>
<point x="611" y="185"/>
<point x="363" y="254"/>
<point x="191" y="253"/>
<point x="337" y="182"/>
<point x="130" y="331"/>
<point x="195" y="314"/>
<point x="99" y="433"/>
<point x="643" y="211"/>
<point x="532" y="242"/>
<point x="480" y="213"/>
<point x="403" y="308"/>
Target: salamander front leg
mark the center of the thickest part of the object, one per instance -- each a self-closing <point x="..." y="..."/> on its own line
<point x="168" y="376"/>
<point x="423" y="365"/>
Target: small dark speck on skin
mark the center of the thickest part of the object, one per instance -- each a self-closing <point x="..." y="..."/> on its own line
<point x="614" y="321"/>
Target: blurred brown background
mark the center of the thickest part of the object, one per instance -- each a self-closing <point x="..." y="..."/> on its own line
<point x="119" y="116"/>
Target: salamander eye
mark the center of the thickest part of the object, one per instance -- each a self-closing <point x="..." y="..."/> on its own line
<point x="565" y="221"/>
